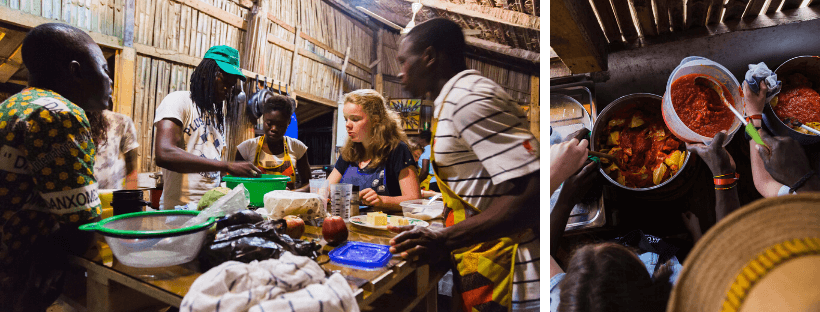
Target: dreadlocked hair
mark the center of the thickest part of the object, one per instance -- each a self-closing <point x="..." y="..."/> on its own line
<point x="202" y="92"/>
<point x="99" y="127"/>
<point x="610" y="277"/>
<point x="384" y="133"/>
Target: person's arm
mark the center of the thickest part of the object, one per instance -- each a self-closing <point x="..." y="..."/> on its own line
<point x="754" y="103"/>
<point x="507" y="215"/>
<point x="720" y="163"/>
<point x="409" y="183"/>
<point x="170" y="156"/>
<point x="131" y="164"/>
<point x="566" y="158"/>
<point x="554" y="268"/>
<point x="334" y="177"/>
<point x="576" y="186"/>
<point x="786" y="161"/>
<point x="303" y="167"/>
<point x="425" y="169"/>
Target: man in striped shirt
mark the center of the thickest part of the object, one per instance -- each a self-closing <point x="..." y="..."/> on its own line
<point x="482" y="150"/>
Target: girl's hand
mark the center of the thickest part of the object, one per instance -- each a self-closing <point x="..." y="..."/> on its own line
<point x="369" y="197"/>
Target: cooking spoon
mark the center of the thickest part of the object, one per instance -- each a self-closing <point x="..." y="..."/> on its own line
<point x="796" y="123"/>
<point x="711" y="83"/>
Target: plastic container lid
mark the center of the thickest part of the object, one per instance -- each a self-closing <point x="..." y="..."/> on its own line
<point x="362" y="255"/>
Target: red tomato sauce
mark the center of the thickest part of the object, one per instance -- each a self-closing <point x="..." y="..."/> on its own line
<point x="798" y="100"/>
<point x="699" y="107"/>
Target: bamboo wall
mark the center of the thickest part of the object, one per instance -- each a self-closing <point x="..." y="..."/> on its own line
<point x="301" y="43"/>
<point x="101" y="16"/>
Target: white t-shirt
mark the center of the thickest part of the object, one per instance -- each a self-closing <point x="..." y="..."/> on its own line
<point x="109" y="169"/>
<point x="479" y="151"/>
<point x="200" y="137"/>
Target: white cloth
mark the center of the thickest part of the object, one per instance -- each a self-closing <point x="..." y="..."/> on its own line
<point x="479" y="151"/>
<point x="296" y="148"/>
<point x="290" y="283"/>
<point x="201" y="138"/>
<point x="758" y="72"/>
<point x="109" y="168"/>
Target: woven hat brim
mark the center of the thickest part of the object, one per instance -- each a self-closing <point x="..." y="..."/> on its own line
<point x="724" y="250"/>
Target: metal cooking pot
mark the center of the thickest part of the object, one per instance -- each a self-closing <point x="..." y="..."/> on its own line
<point x="809" y="66"/>
<point x="675" y="185"/>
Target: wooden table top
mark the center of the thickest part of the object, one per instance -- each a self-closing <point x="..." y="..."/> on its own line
<point x="366" y="284"/>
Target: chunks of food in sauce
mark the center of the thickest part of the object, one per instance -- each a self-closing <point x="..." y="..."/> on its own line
<point x="798" y="101"/>
<point x="644" y="146"/>
<point x="699" y="107"/>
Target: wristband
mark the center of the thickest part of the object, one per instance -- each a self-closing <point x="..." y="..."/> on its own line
<point x="801" y="182"/>
<point x="756" y="116"/>
<point x="725" y="187"/>
<point x="726" y="179"/>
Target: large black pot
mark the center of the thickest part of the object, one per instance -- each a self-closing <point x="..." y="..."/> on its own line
<point x="670" y="189"/>
<point x="809" y="66"/>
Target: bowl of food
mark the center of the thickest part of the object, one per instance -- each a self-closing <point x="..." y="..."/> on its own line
<point x="798" y="100"/>
<point x="694" y="112"/>
<point x="153" y="238"/>
<point x="647" y="155"/>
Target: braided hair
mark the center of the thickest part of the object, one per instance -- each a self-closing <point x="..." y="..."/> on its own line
<point x="202" y="92"/>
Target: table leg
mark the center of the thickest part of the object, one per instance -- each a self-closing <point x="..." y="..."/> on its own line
<point x="98" y="292"/>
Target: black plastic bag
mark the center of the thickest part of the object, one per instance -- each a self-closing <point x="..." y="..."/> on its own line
<point x="258" y="241"/>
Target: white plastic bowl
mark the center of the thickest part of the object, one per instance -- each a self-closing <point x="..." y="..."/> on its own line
<point x="418" y="208"/>
<point x="700" y="65"/>
<point x="153" y="239"/>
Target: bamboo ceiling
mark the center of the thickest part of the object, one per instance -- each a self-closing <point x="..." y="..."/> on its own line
<point x="512" y="34"/>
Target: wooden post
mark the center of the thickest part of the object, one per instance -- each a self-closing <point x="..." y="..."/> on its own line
<point x="576" y="36"/>
<point x="535" y="109"/>
<point x="338" y="111"/>
<point x="124" y="81"/>
<point x="379" y="83"/>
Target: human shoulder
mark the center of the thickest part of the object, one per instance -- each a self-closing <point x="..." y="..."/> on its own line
<point x="297" y="147"/>
<point x="176" y="105"/>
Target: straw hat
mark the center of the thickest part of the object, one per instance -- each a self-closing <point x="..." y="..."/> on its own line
<point x="762" y="257"/>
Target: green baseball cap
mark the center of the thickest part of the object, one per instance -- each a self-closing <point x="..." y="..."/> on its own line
<point x="227" y="58"/>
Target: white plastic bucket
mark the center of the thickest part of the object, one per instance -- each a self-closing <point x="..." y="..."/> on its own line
<point x="700" y="65"/>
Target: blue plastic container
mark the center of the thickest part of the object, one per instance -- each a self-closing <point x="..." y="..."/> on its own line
<point x="361" y="255"/>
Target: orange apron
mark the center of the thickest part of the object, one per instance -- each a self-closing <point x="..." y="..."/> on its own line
<point x="484" y="271"/>
<point x="285" y="168"/>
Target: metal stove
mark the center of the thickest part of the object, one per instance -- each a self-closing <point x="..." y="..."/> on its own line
<point x="582" y="89"/>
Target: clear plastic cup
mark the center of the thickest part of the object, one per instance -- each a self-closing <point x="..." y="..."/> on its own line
<point x="340" y="196"/>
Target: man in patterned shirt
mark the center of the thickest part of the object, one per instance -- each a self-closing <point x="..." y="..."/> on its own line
<point x="47" y="183"/>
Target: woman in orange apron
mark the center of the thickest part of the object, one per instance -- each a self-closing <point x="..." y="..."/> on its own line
<point x="275" y="153"/>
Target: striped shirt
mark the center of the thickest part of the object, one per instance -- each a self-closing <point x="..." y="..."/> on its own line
<point x="479" y="151"/>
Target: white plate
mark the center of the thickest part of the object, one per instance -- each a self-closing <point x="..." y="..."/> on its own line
<point x="362" y="221"/>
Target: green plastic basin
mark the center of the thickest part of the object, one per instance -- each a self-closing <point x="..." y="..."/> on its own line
<point x="258" y="186"/>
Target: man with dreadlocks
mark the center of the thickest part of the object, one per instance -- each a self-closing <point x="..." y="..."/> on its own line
<point x="190" y="127"/>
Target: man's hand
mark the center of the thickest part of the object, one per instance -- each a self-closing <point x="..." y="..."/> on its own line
<point x="369" y="197"/>
<point x="715" y="155"/>
<point x="754" y="103"/>
<point x="415" y="241"/>
<point x="577" y="185"/>
<point x="785" y="159"/>
<point x="692" y="223"/>
<point x="243" y="169"/>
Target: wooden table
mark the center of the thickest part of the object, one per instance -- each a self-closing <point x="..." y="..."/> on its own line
<point x="374" y="290"/>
